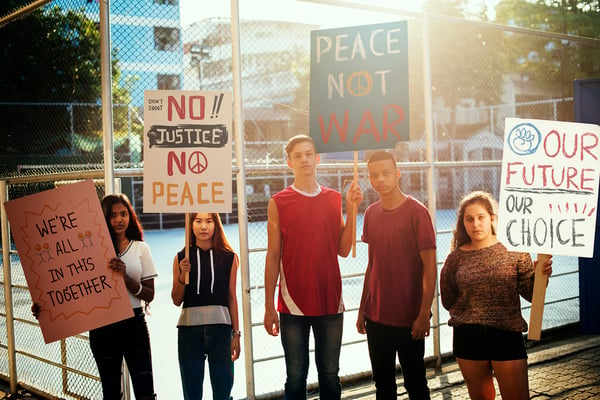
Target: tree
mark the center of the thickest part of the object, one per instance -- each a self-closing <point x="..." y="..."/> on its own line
<point x="549" y="63"/>
<point x="465" y="63"/>
<point x="50" y="60"/>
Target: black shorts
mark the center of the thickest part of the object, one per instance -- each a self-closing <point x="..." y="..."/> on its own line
<point x="479" y="342"/>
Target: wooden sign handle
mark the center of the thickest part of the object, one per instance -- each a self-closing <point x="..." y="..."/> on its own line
<point x="187" y="245"/>
<point x="354" y="206"/>
<point x="539" y="296"/>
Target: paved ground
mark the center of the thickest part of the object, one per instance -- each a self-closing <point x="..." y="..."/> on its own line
<point x="568" y="368"/>
<point x="565" y="368"/>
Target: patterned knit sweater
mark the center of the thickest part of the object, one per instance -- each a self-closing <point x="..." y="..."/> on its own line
<point x="483" y="287"/>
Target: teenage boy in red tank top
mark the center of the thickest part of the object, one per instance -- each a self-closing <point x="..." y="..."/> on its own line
<point x="306" y="233"/>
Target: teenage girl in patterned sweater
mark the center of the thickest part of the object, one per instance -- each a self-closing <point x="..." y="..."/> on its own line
<point x="480" y="285"/>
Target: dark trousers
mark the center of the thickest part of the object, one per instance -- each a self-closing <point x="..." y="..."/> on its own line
<point x="385" y="342"/>
<point x="129" y="340"/>
<point x="196" y="344"/>
<point x="295" y="336"/>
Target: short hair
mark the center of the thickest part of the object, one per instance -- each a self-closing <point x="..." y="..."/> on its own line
<point x="294" y="140"/>
<point x="381" y="155"/>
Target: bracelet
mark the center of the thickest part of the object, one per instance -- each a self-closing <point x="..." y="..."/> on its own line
<point x="140" y="290"/>
<point x="236" y="333"/>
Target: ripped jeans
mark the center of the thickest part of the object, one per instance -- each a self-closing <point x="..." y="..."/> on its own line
<point x="129" y="340"/>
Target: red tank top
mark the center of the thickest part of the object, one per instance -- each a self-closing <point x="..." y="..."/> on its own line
<point x="310" y="281"/>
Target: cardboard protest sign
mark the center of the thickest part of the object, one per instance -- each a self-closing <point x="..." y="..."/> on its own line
<point x="359" y="87"/>
<point x="187" y="151"/>
<point x="64" y="247"/>
<point x="549" y="187"/>
<point x="548" y="195"/>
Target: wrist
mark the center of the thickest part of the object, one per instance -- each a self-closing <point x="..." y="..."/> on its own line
<point x="182" y="281"/>
<point x="235" y="333"/>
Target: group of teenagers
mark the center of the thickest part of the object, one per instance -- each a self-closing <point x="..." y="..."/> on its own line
<point x="481" y="283"/>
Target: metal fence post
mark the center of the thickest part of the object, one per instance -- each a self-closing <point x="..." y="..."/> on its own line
<point x="8" y="303"/>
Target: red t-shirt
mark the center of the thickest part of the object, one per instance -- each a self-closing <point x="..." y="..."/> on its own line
<point x="310" y="282"/>
<point x="395" y="238"/>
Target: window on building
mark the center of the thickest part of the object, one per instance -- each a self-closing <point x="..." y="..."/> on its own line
<point x="166" y="39"/>
<point x="165" y="82"/>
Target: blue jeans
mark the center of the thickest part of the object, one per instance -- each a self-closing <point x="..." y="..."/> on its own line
<point x="195" y="344"/>
<point x="384" y="343"/>
<point x="327" y="331"/>
<point x="127" y="339"/>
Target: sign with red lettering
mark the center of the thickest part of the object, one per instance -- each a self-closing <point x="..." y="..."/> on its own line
<point x="187" y="151"/>
<point x="359" y="87"/>
<point x="64" y="247"/>
<point x="549" y="190"/>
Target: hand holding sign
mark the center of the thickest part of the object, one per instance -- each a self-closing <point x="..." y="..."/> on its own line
<point x="548" y="194"/>
<point x="64" y="244"/>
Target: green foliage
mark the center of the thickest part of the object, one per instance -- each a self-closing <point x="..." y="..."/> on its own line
<point x="50" y="56"/>
<point x="465" y="59"/>
<point x="552" y="64"/>
<point x="50" y="94"/>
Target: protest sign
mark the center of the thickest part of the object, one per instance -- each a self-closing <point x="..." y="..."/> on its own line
<point x="549" y="188"/>
<point x="548" y="195"/>
<point x="187" y="151"/>
<point x="64" y="247"/>
<point x="359" y="87"/>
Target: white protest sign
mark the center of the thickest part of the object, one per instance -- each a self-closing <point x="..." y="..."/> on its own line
<point x="549" y="188"/>
<point x="187" y="151"/>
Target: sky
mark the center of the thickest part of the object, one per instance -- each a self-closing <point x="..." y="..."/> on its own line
<point x="301" y="11"/>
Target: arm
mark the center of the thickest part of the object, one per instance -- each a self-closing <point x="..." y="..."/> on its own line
<point x="448" y="290"/>
<point x="360" y="320"/>
<point x="179" y="271"/>
<point x="143" y="290"/>
<point x="526" y="273"/>
<point x="354" y="197"/>
<point x="233" y="309"/>
<point x="273" y="259"/>
<point x="420" y="327"/>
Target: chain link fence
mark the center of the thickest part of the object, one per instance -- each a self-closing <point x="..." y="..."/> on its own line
<point x="52" y="130"/>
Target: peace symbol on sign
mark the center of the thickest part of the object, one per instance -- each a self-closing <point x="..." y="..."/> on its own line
<point x="197" y="162"/>
<point x="359" y="83"/>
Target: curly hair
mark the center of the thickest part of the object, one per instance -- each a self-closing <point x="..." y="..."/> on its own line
<point x="486" y="200"/>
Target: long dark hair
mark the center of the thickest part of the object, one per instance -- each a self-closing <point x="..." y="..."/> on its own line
<point x="219" y="240"/>
<point x="487" y="201"/>
<point x="134" y="229"/>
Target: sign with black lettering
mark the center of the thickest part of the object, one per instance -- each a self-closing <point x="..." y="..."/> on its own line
<point x="549" y="189"/>
<point x="187" y="151"/>
<point x="64" y="247"/>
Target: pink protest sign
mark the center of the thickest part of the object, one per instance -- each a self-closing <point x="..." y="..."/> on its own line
<point x="64" y="246"/>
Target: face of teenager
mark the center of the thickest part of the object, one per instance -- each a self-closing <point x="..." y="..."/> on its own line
<point x="303" y="159"/>
<point x="203" y="226"/>
<point x="383" y="176"/>
<point x="478" y="223"/>
<point x="119" y="218"/>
